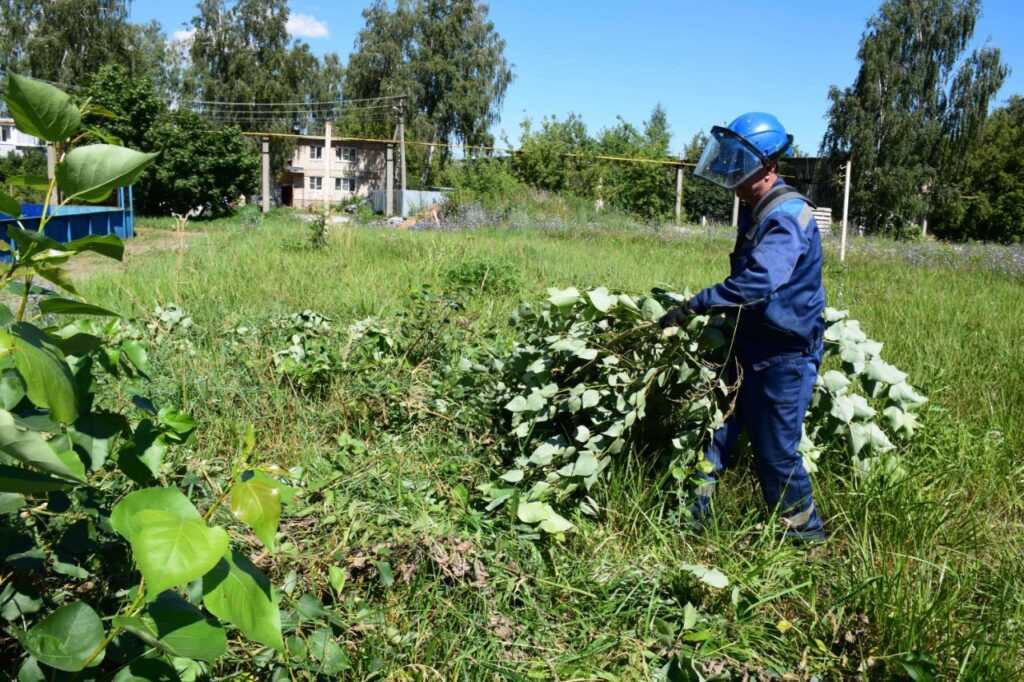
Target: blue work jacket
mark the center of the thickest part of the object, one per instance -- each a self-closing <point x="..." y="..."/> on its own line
<point x="774" y="285"/>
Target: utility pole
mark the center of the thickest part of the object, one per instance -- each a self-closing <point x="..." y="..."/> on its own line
<point x="265" y="198"/>
<point x="328" y="153"/>
<point x="401" y="143"/>
<point x="679" y="191"/>
<point x="846" y="209"/>
<point x="389" y="182"/>
<point x="399" y="137"/>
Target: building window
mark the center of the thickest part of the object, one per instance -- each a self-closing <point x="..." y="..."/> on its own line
<point x="316" y="182"/>
<point x="5" y="133"/>
<point x="345" y="154"/>
<point x="316" y="151"/>
<point x="345" y="184"/>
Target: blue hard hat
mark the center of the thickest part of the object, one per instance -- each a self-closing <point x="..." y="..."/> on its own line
<point x="764" y="132"/>
<point x="737" y="153"/>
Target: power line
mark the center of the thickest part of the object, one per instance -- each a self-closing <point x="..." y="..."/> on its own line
<point x="509" y="150"/>
<point x="368" y="99"/>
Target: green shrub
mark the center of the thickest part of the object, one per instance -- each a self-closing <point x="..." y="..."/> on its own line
<point x="483" y="273"/>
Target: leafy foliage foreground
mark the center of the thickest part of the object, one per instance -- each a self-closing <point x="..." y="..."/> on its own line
<point x="591" y="378"/>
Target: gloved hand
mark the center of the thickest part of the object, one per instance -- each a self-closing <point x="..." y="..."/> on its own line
<point x="676" y="316"/>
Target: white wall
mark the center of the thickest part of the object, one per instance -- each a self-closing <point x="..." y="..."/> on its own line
<point x="13" y="140"/>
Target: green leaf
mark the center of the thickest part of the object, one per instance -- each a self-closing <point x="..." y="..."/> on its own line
<point x="336" y="577"/>
<point x="517" y="404"/>
<point x="178" y="421"/>
<point x="141" y="457"/>
<point x="16" y="605"/>
<point x="535" y="402"/>
<point x="147" y="670"/>
<point x="835" y="382"/>
<point x="325" y="650"/>
<point x="512" y="476"/>
<point x="29" y="447"/>
<point x="563" y="298"/>
<point x="58" y="276"/>
<point x="92" y="172"/>
<point x="544" y="515"/>
<point x="868" y="435"/>
<point x="901" y="422"/>
<point x="171" y="550"/>
<point x="651" y="309"/>
<point x="48" y="378"/>
<point x="95" y="434"/>
<point x="843" y="409"/>
<point x="65" y="306"/>
<point x="555" y="524"/>
<point x="177" y="628"/>
<point x="109" y="245"/>
<point x="122" y="518"/>
<point x="689" y="616"/>
<point x="18" y="480"/>
<point x="30" y="242"/>
<point x="834" y="315"/>
<point x="601" y="299"/>
<point x="256" y="502"/>
<point x="708" y="576"/>
<point x="40" y="109"/>
<point x="585" y="465"/>
<point x="66" y="638"/>
<point x="238" y="592"/>
<point x="904" y="395"/>
<point x="534" y="512"/>
<point x="9" y="205"/>
<point x="879" y="370"/>
<point x="11" y="502"/>
<point x="136" y="352"/>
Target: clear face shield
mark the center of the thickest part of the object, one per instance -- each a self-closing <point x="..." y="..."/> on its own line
<point x="729" y="160"/>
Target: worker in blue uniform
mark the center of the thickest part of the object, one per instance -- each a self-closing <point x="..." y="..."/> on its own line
<point x="775" y="293"/>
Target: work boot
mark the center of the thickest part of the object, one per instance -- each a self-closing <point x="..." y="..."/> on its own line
<point x="700" y="517"/>
<point x="803" y="527"/>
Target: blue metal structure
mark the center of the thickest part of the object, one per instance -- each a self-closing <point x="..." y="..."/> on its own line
<point x="74" y="222"/>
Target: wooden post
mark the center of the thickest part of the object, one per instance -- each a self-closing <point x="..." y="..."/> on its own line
<point x="51" y="168"/>
<point x="679" y="192"/>
<point x="735" y="211"/>
<point x="51" y="161"/>
<point x="328" y="153"/>
<point x="265" y="198"/>
<point x="389" y="182"/>
<point x="924" y="218"/>
<point x="846" y="210"/>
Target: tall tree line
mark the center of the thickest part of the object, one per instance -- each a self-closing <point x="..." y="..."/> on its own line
<point x="915" y="114"/>
<point x="447" y="57"/>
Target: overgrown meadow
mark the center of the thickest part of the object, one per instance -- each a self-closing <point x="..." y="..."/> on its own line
<point x="389" y="564"/>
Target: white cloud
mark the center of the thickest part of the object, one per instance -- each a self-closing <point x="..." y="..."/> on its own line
<point x="306" y="26"/>
<point x="184" y="35"/>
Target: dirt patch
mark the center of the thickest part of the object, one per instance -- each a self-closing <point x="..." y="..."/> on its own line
<point x="147" y="240"/>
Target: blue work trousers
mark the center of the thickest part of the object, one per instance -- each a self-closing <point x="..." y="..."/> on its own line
<point x="773" y="398"/>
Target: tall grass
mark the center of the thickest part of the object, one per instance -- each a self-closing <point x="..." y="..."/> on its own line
<point x="919" y="575"/>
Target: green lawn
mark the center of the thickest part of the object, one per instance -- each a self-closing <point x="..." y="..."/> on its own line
<point x="918" y="576"/>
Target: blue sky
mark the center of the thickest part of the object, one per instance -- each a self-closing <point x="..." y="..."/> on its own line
<point x="705" y="62"/>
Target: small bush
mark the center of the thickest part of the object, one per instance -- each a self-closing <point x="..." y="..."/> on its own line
<point x="483" y="273"/>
